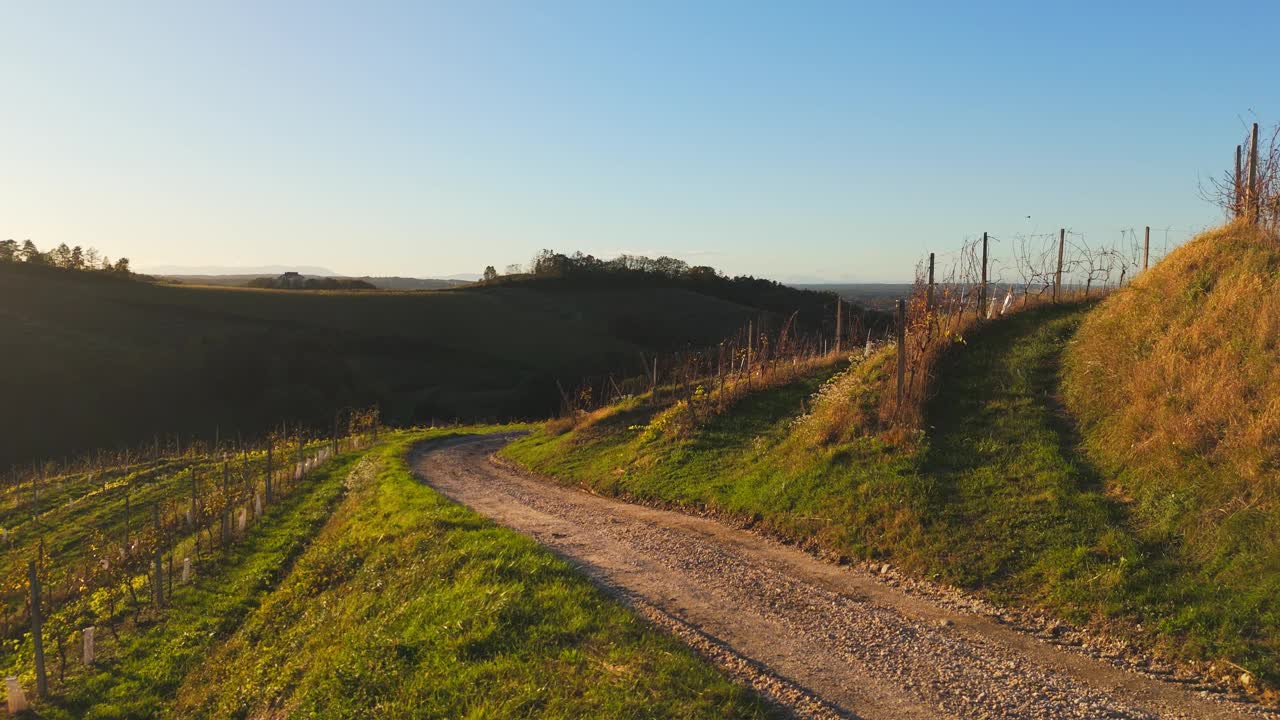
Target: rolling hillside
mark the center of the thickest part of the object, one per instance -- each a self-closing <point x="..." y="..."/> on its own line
<point x="1144" y="508"/>
<point x="88" y="360"/>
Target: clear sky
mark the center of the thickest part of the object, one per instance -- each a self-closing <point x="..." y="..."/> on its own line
<point x="798" y="140"/>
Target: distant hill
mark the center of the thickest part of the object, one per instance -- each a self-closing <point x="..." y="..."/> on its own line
<point x="873" y="295"/>
<point x="89" y="360"/>
<point x="410" y="283"/>
<point x="382" y="283"/>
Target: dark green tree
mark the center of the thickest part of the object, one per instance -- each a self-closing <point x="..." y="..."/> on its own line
<point x="30" y="253"/>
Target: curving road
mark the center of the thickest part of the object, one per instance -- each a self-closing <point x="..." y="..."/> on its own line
<point x="819" y="639"/>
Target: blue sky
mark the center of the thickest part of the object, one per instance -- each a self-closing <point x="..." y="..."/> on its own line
<point x="835" y="141"/>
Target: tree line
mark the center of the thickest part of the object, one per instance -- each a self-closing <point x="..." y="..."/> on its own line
<point x="296" y="281"/>
<point x="63" y="256"/>
<point x="814" y="309"/>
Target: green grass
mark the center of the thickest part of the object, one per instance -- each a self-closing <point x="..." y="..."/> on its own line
<point x="360" y="592"/>
<point x="88" y="361"/>
<point x="407" y="605"/>
<point x="997" y="495"/>
<point x="139" y="672"/>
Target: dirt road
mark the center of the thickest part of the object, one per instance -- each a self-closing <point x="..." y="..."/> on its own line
<point x="822" y="640"/>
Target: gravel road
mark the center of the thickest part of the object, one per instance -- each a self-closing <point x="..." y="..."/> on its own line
<point x="823" y="640"/>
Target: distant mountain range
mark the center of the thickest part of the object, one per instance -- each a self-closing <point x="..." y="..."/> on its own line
<point x="250" y="271"/>
<point x="268" y="270"/>
<point x="236" y="276"/>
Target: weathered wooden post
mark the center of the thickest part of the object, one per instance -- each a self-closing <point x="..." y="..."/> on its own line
<point x="982" y="293"/>
<point x="929" y="292"/>
<point x="267" y="488"/>
<point x="226" y="503"/>
<point x="839" y="322"/>
<point x="1255" y="202"/>
<point x="156" y="558"/>
<point x="87" y="638"/>
<point x="126" y="517"/>
<point x="1237" y="189"/>
<point x="1146" y="247"/>
<point x="902" y="351"/>
<point x="42" y="682"/>
<point x="1057" y="277"/>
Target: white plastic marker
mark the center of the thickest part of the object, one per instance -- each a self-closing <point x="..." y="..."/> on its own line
<point x="186" y="570"/>
<point x="17" y="700"/>
<point x="1008" y="300"/>
<point x="88" y="645"/>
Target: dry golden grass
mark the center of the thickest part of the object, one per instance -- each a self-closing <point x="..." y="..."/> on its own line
<point x="847" y="405"/>
<point x="1176" y="380"/>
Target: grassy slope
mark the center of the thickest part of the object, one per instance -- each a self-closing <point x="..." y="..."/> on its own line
<point x="997" y="496"/>
<point x="1177" y="386"/>
<point x="92" y="361"/>
<point x="408" y="605"/>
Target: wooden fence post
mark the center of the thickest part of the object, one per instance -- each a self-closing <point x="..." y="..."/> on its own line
<point x="87" y="653"/>
<point x="929" y="292"/>
<point x="269" y="469"/>
<point x="42" y="682"/>
<point x="195" y="501"/>
<point x="1255" y="203"/>
<point x="1057" y="277"/>
<point x="226" y="504"/>
<point x="902" y="351"/>
<point x="1237" y="200"/>
<point x="156" y="556"/>
<point x="839" y="322"/>
<point x="982" y="294"/>
<point x="1146" y="247"/>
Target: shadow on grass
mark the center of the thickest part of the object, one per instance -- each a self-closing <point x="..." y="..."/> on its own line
<point x="1012" y="482"/>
